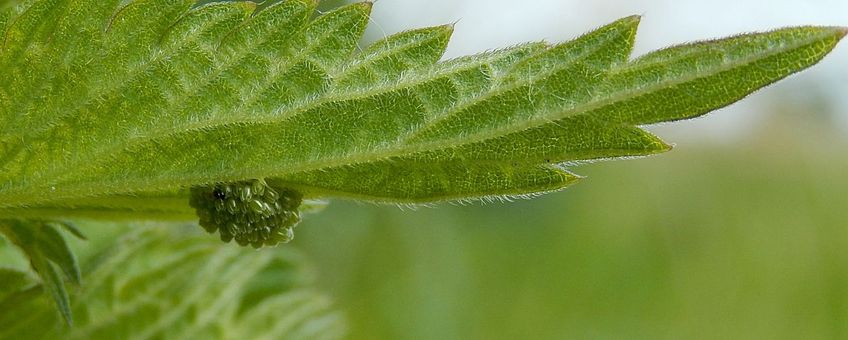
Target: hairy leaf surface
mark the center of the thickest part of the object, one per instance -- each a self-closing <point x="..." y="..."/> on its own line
<point x="115" y="107"/>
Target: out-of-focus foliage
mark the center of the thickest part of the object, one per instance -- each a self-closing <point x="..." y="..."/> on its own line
<point x="48" y="254"/>
<point x="742" y="241"/>
<point x="166" y="282"/>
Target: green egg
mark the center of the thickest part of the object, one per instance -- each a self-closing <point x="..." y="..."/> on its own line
<point x="249" y="212"/>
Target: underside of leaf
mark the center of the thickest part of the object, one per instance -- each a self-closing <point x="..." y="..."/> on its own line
<point x="139" y="100"/>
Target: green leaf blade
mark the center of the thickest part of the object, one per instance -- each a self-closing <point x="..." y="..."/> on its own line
<point x="579" y="138"/>
<point x="554" y="78"/>
<point x="228" y="92"/>
<point x="52" y="281"/>
<point x="389" y="58"/>
<point x="695" y="79"/>
<point x="337" y="33"/>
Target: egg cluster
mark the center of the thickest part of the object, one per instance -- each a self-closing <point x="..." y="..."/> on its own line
<point x="251" y="212"/>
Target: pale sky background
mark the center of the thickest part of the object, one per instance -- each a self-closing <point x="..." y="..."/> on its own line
<point x="488" y="24"/>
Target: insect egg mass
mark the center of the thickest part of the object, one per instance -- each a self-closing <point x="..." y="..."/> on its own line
<point x="250" y="212"/>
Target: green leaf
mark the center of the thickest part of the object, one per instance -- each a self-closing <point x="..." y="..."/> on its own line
<point x="165" y="282"/>
<point x="46" y="250"/>
<point x="114" y="108"/>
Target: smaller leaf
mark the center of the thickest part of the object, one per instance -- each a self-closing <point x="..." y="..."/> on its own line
<point x="50" y="243"/>
<point x="69" y="227"/>
<point x="54" y="284"/>
<point x="46" y="250"/>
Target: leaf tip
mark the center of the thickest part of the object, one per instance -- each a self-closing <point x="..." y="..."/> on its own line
<point x="635" y="19"/>
<point x="838" y="32"/>
<point x="364" y="8"/>
<point x="448" y="28"/>
<point x="365" y="5"/>
<point x="841" y="32"/>
<point x="629" y="24"/>
<point x="446" y="31"/>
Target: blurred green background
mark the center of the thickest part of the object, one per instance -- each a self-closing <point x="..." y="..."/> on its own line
<point x="745" y="241"/>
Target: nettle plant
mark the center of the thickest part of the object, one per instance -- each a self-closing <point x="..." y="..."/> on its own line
<point x="241" y="115"/>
